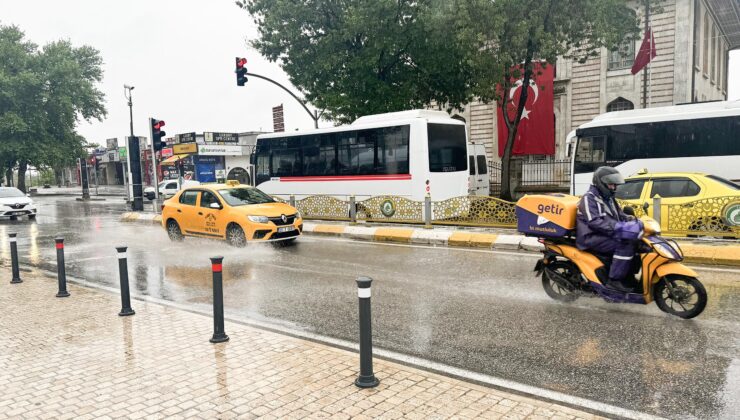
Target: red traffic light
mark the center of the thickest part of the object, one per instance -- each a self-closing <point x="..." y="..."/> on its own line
<point x="241" y="62"/>
<point x="158" y="124"/>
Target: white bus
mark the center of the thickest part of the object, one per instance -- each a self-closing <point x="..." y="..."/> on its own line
<point x="403" y="154"/>
<point x="702" y="137"/>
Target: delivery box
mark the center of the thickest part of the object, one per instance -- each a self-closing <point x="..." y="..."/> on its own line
<point x="547" y="215"/>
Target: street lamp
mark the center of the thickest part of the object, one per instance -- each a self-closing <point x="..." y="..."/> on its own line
<point x="134" y="178"/>
<point x="127" y="93"/>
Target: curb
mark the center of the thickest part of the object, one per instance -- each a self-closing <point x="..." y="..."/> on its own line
<point x="146" y="218"/>
<point x="693" y="253"/>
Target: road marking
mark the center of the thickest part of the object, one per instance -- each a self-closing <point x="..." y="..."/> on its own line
<point x="456" y="249"/>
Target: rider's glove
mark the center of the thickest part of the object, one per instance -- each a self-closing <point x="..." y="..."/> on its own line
<point x="630" y="230"/>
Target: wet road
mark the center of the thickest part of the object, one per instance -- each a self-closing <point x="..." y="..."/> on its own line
<point x="477" y="310"/>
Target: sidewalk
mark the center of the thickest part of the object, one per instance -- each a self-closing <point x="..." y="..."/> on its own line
<point x="103" y="190"/>
<point x="695" y="251"/>
<point x="76" y="358"/>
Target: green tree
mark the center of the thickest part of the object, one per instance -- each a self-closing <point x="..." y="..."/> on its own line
<point x="359" y="57"/>
<point x="522" y="32"/>
<point x="44" y="93"/>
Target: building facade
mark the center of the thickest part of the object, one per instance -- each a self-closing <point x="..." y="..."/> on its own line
<point x="692" y="39"/>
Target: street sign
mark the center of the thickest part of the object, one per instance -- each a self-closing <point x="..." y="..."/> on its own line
<point x="185" y="138"/>
<point x="221" y="138"/>
<point x="111" y="144"/>
<point x="122" y="153"/>
<point x="278" y="121"/>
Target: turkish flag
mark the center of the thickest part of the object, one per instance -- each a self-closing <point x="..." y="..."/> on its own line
<point x="536" y="132"/>
<point x="647" y="52"/>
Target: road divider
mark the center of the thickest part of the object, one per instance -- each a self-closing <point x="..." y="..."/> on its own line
<point x="697" y="252"/>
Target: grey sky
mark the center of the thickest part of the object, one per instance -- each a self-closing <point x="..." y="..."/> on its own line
<point x="179" y="55"/>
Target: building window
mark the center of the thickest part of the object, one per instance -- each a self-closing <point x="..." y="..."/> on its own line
<point x="623" y="57"/>
<point x="697" y="32"/>
<point x="705" y="49"/>
<point x="619" y="104"/>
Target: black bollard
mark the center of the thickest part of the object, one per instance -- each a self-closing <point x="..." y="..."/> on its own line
<point x="14" y="259"/>
<point x="366" y="379"/>
<point x="219" y="335"/>
<point x="61" y="275"/>
<point x="123" y="275"/>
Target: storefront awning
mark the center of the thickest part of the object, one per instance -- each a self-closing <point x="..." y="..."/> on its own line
<point x="172" y="159"/>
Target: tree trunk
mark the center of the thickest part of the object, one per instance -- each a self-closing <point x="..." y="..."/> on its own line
<point x="58" y="177"/>
<point x="22" y="166"/>
<point x="9" y="177"/>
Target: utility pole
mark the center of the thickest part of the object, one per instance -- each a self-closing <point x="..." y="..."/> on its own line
<point x="133" y="157"/>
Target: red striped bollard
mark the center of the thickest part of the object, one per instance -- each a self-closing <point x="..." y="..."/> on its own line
<point x="61" y="274"/>
<point x="219" y="333"/>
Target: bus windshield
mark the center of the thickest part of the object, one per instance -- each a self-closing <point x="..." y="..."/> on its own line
<point x="447" y="148"/>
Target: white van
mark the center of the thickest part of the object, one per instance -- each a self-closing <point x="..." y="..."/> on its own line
<point x="479" y="180"/>
<point x="168" y="188"/>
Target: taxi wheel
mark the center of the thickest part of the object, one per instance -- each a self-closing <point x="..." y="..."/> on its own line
<point x="235" y="236"/>
<point x="173" y="231"/>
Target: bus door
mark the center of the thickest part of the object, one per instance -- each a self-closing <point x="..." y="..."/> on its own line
<point x="479" y="182"/>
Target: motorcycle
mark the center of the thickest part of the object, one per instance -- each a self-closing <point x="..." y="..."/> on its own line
<point x="569" y="273"/>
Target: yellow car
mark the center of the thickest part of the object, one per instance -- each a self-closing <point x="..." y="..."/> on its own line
<point x="237" y="213"/>
<point x="691" y="203"/>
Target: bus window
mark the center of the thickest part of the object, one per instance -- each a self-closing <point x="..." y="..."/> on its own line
<point x="471" y="164"/>
<point x="590" y="153"/>
<point x="393" y="150"/>
<point x="482" y="167"/>
<point x="447" y="148"/>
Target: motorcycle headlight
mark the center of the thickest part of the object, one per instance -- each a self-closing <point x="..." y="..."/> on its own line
<point x="259" y="219"/>
<point x="666" y="250"/>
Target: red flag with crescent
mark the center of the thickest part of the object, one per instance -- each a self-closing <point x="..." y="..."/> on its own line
<point x="536" y="132"/>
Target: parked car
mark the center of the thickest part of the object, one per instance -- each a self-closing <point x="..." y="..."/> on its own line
<point x="237" y="213"/>
<point x="14" y="203"/>
<point x="168" y="188"/>
<point x="697" y="202"/>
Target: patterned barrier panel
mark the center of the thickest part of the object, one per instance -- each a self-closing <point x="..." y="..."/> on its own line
<point x="323" y="207"/>
<point x="390" y="209"/>
<point x="474" y="211"/>
<point x="719" y="216"/>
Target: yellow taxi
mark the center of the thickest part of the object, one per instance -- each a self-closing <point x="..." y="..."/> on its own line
<point x="690" y="202"/>
<point x="237" y="213"/>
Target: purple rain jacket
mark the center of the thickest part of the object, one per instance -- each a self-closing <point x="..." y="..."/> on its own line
<point x="600" y="220"/>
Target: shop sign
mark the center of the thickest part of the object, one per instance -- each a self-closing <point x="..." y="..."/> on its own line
<point x="220" y="150"/>
<point x="185" y="138"/>
<point x="122" y="153"/>
<point x="180" y="149"/>
<point x="111" y="144"/>
<point x="167" y="152"/>
<point x="221" y="138"/>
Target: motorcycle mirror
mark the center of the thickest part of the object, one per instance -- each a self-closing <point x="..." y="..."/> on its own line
<point x="645" y="206"/>
<point x="629" y="210"/>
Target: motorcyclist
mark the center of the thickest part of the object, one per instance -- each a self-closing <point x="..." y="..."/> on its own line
<point x="603" y="228"/>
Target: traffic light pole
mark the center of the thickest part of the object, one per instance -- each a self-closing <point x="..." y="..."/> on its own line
<point x="154" y="162"/>
<point x="314" y="115"/>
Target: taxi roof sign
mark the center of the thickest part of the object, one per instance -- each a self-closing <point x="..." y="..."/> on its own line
<point x="232" y="182"/>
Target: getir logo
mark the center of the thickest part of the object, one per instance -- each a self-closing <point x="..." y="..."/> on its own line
<point x="552" y="209"/>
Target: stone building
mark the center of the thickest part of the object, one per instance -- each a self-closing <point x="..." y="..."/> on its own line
<point x="692" y="39"/>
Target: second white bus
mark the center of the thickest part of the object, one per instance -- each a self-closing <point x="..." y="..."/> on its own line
<point x="702" y="137"/>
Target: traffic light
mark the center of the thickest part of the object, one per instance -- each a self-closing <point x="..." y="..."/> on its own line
<point x="157" y="133"/>
<point x="241" y="71"/>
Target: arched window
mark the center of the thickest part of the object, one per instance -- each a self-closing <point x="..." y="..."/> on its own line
<point x="619" y="104"/>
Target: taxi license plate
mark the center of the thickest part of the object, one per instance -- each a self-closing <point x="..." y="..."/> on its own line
<point x="286" y="229"/>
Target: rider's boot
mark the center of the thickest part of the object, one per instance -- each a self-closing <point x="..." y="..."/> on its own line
<point x="620" y="286"/>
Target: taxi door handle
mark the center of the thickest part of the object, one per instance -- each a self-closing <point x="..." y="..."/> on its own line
<point x="179" y="211"/>
<point x="200" y="213"/>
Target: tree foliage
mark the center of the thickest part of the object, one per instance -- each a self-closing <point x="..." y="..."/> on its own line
<point x="359" y="57"/>
<point x="44" y="93"/>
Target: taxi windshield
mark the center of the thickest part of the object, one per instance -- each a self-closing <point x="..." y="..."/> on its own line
<point x="244" y="196"/>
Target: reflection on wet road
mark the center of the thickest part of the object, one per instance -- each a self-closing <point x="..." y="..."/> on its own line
<point x="478" y="310"/>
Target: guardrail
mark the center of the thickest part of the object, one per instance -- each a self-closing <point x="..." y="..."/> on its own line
<point x="717" y="217"/>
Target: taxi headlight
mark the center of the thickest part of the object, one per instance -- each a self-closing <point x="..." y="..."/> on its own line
<point x="259" y="219"/>
<point x="298" y="215"/>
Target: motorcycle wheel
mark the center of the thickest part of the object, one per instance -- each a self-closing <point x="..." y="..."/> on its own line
<point x="686" y="297"/>
<point x="555" y="290"/>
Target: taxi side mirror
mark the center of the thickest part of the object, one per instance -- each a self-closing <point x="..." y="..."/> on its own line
<point x="215" y="206"/>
